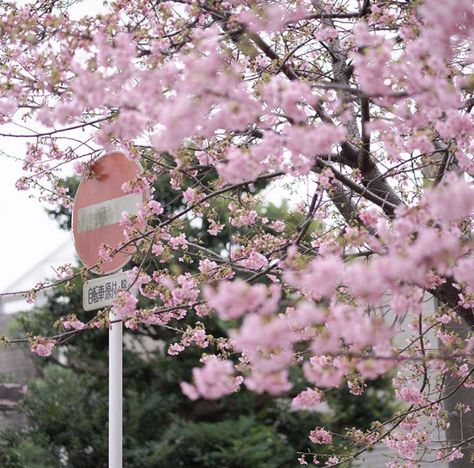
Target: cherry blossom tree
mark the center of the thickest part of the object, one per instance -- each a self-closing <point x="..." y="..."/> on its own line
<point x="361" y="109"/>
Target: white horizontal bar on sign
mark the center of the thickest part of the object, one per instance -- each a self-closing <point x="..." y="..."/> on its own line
<point x="107" y="212"/>
<point x="100" y="292"/>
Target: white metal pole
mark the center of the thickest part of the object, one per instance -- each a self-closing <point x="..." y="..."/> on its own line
<point x="115" y="392"/>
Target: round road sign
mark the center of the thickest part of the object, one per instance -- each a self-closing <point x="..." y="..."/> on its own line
<point x="98" y="207"/>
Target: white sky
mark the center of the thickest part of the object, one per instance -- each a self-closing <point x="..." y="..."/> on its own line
<point x="27" y="234"/>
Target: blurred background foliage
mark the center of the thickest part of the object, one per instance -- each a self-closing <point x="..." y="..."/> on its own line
<point x="67" y="406"/>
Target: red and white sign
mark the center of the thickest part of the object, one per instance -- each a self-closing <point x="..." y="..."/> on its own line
<point x="98" y="207"/>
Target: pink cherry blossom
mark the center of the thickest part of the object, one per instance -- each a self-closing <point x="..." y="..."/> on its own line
<point x="234" y="299"/>
<point x="212" y="381"/>
<point x="175" y="348"/>
<point x="215" y="228"/>
<point x="42" y="346"/>
<point x="124" y="304"/>
<point x="320" y="278"/>
<point x="320" y="436"/>
<point x="307" y="400"/>
<point x="73" y="325"/>
<point x="189" y="195"/>
<point x="452" y="201"/>
<point x="412" y="395"/>
<point x="255" y="261"/>
<point x="155" y="207"/>
<point x="326" y="372"/>
<point x="178" y="242"/>
<point x="407" y="444"/>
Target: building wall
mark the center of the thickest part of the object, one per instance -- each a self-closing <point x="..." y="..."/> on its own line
<point x="16" y="368"/>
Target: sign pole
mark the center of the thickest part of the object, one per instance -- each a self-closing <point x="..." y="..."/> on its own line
<point x="97" y="212"/>
<point x="115" y="391"/>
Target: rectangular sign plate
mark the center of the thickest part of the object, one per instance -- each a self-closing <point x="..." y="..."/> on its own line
<point x="101" y="292"/>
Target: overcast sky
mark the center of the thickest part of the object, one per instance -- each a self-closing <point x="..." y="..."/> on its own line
<point x="27" y="234"/>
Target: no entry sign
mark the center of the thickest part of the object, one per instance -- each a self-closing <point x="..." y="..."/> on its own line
<point x="98" y="207"/>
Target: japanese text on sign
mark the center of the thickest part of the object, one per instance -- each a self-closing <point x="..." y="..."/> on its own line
<point x="101" y="292"/>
